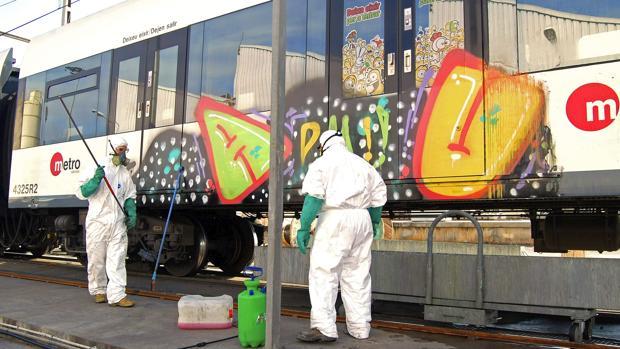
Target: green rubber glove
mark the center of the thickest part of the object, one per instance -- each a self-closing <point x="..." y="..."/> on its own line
<point x="311" y="208"/>
<point x="90" y="187"/>
<point x="375" y="217"/>
<point x="130" y="209"/>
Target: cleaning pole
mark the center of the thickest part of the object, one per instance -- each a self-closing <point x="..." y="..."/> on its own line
<point x="163" y="237"/>
<point x="107" y="183"/>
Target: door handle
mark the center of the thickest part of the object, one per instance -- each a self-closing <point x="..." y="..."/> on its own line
<point x="139" y="116"/>
<point x="407" y="61"/>
<point x="391" y="64"/>
<point x="147" y="109"/>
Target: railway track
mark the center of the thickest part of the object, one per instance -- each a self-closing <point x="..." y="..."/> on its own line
<point x="491" y="334"/>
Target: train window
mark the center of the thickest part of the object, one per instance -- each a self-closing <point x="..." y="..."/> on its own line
<point x="316" y="42"/>
<point x="166" y="61"/>
<point x="229" y="57"/>
<point x="74" y="68"/>
<point x="502" y="31"/>
<point x="84" y="87"/>
<point x="126" y="100"/>
<point x="363" y="53"/>
<point x="557" y="33"/>
<point x="296" y="44"/>
<point x="439" y="31"/>
<point x="32" y="108"/>
<point x="237" y="59"/>
<point x="72" y="86"/>
<point x="57" y="125"/>
<point x="194" y="70"/>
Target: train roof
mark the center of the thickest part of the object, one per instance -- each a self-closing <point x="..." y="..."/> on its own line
<point x="123" y="24"/>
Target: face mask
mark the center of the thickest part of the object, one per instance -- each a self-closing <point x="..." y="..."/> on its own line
<point x="119" y="159"/>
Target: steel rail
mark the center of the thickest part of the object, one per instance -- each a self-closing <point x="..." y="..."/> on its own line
<point x="378" y="324"/>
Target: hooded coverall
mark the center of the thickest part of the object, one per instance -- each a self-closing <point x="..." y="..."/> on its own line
<point x="341" y="250"/>
<point x="106" y="232"/>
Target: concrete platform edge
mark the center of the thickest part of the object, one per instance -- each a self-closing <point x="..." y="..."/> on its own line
<point x="55" y="334"/>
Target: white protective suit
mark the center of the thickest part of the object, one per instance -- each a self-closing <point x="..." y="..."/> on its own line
<point x="341" y="250"/>
<point x="106" y="232"/>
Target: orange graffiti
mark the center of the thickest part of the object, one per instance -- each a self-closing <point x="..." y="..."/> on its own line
<point x="460" y="150"/>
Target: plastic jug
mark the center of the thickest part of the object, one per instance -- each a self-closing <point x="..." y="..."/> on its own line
<point x="251" y="310"/>
<point x="198" y="312"/>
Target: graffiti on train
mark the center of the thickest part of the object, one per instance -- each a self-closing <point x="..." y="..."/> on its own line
<point x="473" y="133"/>
<point x="458" y="138"/>
<point x="225" y="161"/>
<point x="453" y="140"/>
<point x="237" y="148"/>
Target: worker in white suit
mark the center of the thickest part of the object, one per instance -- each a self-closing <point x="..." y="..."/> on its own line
<point x="349" y="194"/>
<point x="107" y="225"/>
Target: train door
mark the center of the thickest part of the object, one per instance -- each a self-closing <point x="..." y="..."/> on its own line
<point x="406" y="89"/>
<point x="163" y="115"/>
<point x="444" y="139"/>
<point x="147" y="96"/>
<point x="444" y="85"/>
<point x="127" y="95"/>
<point x="363" y="86"/>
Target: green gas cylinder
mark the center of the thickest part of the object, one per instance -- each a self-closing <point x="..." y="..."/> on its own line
<point x="251" y="307"/>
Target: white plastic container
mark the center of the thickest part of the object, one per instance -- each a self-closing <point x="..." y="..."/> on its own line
<point x="197" y="312"/>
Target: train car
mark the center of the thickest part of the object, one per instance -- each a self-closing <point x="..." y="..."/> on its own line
<point x="467" y="104"/>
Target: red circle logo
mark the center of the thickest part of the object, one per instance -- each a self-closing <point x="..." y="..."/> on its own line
<point x="592" y="107"/>
<point x="56" y="164"/>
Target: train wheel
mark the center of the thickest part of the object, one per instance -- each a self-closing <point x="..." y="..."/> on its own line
<point x="233" y="246"/>
<point x="40" y="245"/>
<point x="39" y="251"/>
<point x="195" y="260"/>
<point x="575" y="332"/>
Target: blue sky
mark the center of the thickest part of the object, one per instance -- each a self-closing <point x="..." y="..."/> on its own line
<point x="18" y="12"/>
<point x="598" y="8"/>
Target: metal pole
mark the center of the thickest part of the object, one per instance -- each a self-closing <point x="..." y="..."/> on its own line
<point x="14" y="37"/>
<point x="479" y="256"/>
<point x="276" y="160"/>
<point x="66" y="12"/>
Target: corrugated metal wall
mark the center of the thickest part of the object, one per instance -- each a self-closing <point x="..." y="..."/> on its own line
<point x="253" y="75"/>
<point x="503" y="34"/>
<point x="443" y="12"/>
<point x="535" y="51"/>
<point x="539" y="52"/>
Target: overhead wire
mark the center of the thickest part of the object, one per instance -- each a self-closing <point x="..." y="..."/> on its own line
<point x="8" y="2"/>
<point x="36" y="19"/>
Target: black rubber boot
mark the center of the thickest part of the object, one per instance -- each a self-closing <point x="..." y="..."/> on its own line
<point x="314" y="336"/>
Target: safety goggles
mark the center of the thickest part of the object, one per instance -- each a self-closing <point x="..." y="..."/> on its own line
<point x="121" y="149"/>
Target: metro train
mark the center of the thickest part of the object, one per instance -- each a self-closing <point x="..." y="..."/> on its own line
<point x="484" y="105"/>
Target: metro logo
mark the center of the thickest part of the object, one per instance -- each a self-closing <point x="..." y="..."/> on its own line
<point x="592" y="107"/>
<point x="57" y="164"/>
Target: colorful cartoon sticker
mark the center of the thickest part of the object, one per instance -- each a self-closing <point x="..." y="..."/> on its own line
<point x="363" y="49"/>
<point x="434" y="40"/>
